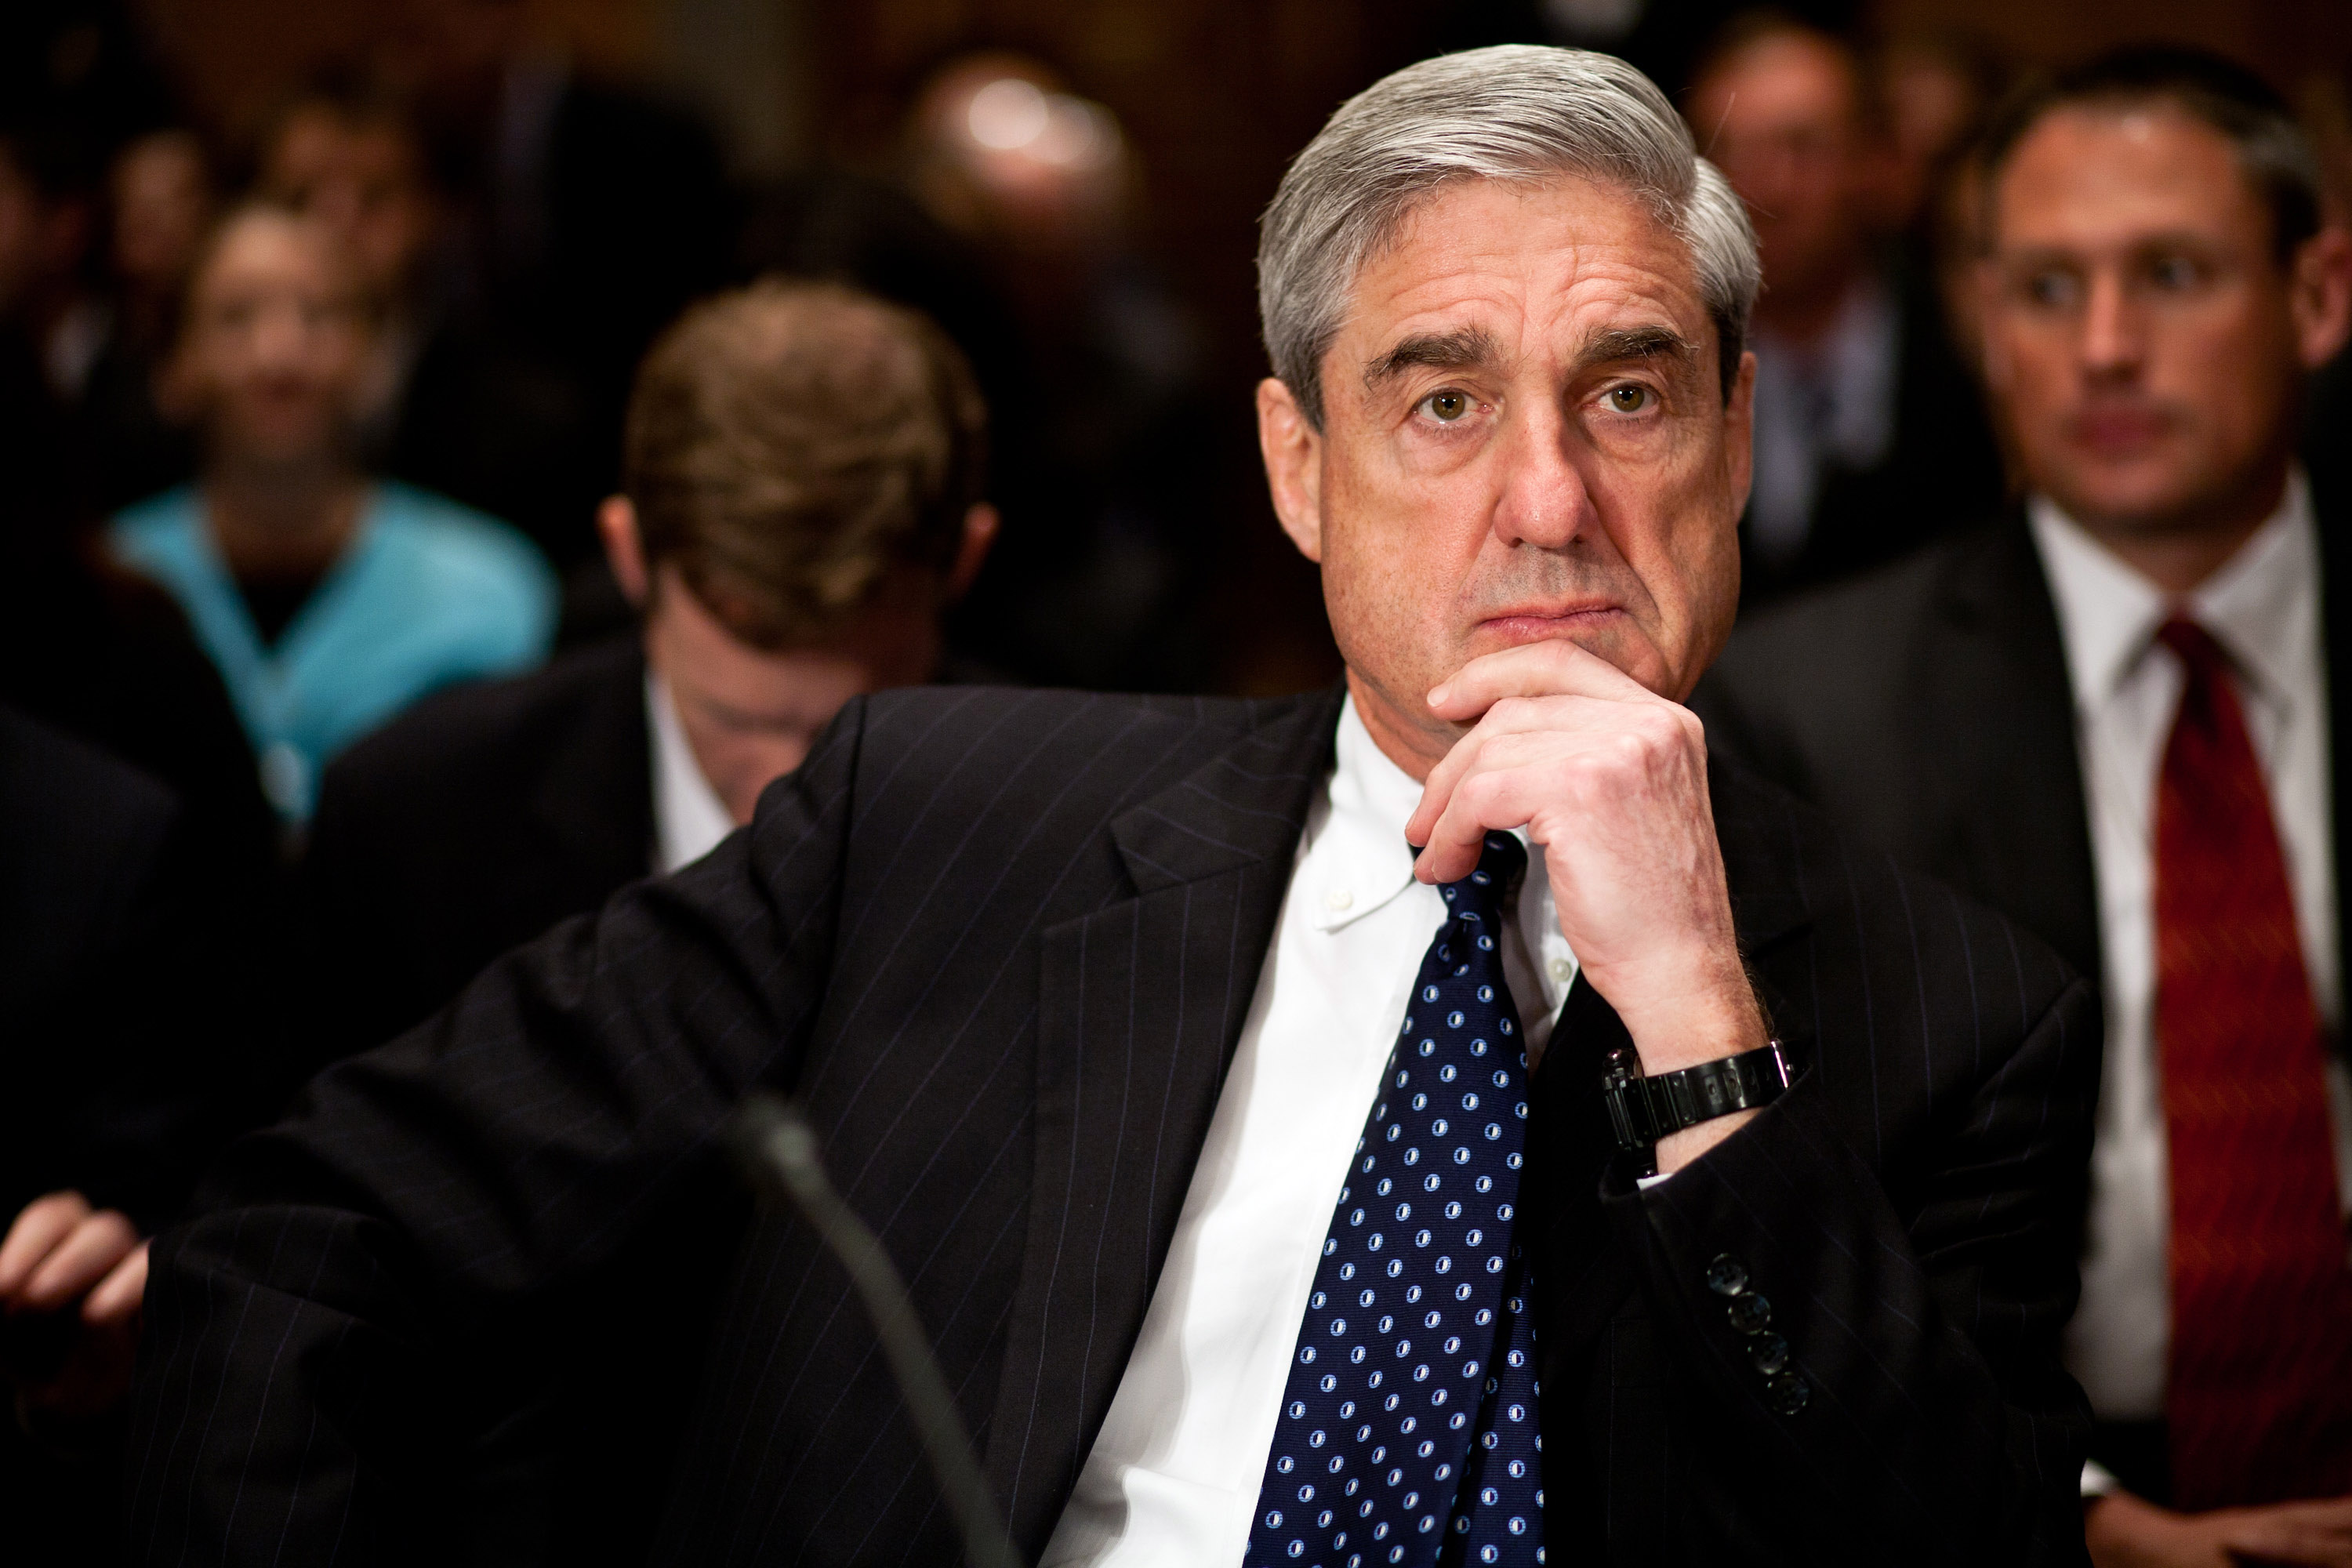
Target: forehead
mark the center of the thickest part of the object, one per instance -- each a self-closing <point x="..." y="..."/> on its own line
<point x="1786" y="78"/>
<point x="2093" y="174"/>
<point x="1525" y="260"/>
<point x="268" y="250"/>
<point x="317" y="136"/>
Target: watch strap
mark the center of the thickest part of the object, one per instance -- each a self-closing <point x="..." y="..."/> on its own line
<point x="1642" y="1109"/>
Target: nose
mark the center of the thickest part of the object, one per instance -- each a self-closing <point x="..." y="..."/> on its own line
<point x="2111" y="343"/>
<point x="1542" y="500"/>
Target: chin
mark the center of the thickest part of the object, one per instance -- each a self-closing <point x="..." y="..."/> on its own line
<point x="1608" y="635"/>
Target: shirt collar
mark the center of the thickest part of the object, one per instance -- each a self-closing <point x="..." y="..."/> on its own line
<point x="2260" y="605"/>
<point x="689" y="819"/>
<point x="1367" y="862"/>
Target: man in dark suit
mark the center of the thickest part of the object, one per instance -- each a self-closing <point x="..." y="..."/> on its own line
<point x="2116" y="715"/>
<point x="112" y="1074"/>
<point x="1870" y="436"/>
<point x="800" y="503"/>
<point x="1095" y="1001"/>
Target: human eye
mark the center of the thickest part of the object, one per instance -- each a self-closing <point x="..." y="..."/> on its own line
<point x="2174" y="273"/>
<point x="1447" y="405"/>
<point x="1632" y="398"/>
<point x="2050" y="288"/>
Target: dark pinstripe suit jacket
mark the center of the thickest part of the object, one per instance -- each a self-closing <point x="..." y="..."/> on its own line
<point x="485" y="1294"/>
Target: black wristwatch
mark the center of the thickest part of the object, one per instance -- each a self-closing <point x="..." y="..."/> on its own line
<point x="1643" y="1110"/>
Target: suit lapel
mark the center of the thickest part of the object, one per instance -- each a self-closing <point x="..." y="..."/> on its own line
<point x="1997" y="726"/>
<point x="1141" y="1008"/>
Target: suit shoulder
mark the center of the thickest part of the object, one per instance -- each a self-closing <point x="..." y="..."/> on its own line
<point x="87" y="833"/>
<point x="1836" y="661"/>
<point x="50" y="780"/>
<point x="1861" y="615"/>
<point x="950" y="719"/>
<point x="490" y="729"/>
<point x="989" y="755"/>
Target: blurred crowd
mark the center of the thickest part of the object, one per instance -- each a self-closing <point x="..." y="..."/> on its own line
<point x="454" y="496"/>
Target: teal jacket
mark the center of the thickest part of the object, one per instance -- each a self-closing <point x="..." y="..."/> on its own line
<point x="428" y="592"/>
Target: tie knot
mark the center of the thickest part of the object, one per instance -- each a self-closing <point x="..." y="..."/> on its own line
<point x="2201" y="655"/>
<point x="1500" y="862"/>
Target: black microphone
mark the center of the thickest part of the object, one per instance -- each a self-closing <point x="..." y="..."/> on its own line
<point x="775" y="1147"/>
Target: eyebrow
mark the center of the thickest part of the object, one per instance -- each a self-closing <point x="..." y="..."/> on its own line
<point x="1619" y="344"/>
<point x="1457" y="350"/>
<point x="1469" y="346"/>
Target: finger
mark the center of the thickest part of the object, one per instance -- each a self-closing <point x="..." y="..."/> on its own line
<point x="84" y="1258"/>
<point x="1507" y="716"/>
<point x="1496" y="794"/>
<point x="1553" y="667"/>
<point x="2268" y="1537"/>
<point x="43" y="1223"/>
<point x="117" y="1298"/>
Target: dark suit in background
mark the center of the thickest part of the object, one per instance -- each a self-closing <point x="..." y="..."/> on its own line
<point x="467" y="826"/>
<point x="111" y="1064"/>
<point x="1929" y="709"/>
<point x="489" y="1293"/>
<point x="1941" y="470"/>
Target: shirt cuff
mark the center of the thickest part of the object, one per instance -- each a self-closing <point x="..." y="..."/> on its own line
<point x="1646" y="1182"/>
<point x="2098" y="1480"/>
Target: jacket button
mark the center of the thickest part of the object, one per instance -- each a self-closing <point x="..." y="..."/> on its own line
<point x="1749" y="1314"/>
<point x="1727" y="1276"/>
<point x="1787" y="1393"/>
<point x="1769" y="1354"/>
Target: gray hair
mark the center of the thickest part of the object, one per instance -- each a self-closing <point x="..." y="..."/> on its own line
<point x="1515" y="111"/>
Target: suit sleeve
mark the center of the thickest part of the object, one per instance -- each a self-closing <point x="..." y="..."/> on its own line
<point x="356" y="1312"/>
<point x="1924" y="1414"/>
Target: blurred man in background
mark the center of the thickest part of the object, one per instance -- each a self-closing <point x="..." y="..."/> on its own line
<point x="2121" y="714"/>
<point x="328" y="600"/>
<point x="801" y="503"/>
<point x="161" y="204"/>
<point x="1869" y="435"/>
<point x="588" y="213"/>
<point x="1101" y="582"/>
<point x="447" y="400"/>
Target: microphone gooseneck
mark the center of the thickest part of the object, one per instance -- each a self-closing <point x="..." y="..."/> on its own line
<point x="776" y="1150"/>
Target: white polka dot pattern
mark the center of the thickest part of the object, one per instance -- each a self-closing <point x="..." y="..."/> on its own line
<point x="1408" y="1433"/>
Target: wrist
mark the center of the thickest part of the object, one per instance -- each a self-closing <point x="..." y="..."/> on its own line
<point x="1679" y="1149"/>
<point x="1704" y="1023"/>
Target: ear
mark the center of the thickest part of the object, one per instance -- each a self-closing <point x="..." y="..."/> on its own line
<point x="981" y="527"/>
<point x="2321" y="295"/>
<point x="625" y="548"/>
<point x="1293" y="450"/>
<point x="1739" y="432"/>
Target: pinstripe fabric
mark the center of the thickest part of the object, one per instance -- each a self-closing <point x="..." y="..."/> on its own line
<point x="485" y="1295"/>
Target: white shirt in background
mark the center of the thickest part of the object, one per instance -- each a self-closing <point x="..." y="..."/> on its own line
<point x="689" y="819"/>
<point x="1173" y="1479"/>
<point x="2263" y="607"/>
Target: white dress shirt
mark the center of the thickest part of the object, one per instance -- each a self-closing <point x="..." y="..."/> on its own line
<point x="1173" y="1479"/>
<point x="689" y="819"/>
<point x="2263" y="607"/>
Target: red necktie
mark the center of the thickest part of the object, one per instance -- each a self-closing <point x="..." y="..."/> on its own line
<point x="2260" y="1405"/>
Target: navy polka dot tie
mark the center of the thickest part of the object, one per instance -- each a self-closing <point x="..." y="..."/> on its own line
<point x="1407" y="1432"/>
